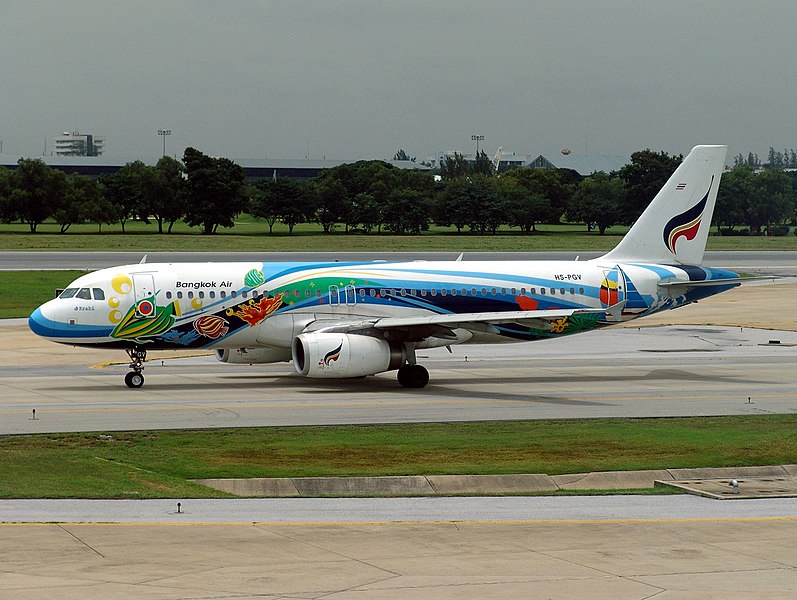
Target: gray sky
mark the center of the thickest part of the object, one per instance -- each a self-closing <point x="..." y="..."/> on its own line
<point x="361" y="79"/>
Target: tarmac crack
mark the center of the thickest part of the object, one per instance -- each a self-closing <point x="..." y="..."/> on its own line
<point x="87" y="545"/>
<point x="391" y="574"/>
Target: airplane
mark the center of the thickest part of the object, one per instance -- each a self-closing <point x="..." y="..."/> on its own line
<point x="354" y="319"/>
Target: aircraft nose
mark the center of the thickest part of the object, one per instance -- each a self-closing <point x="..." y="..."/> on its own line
<point x="37" y="323"/>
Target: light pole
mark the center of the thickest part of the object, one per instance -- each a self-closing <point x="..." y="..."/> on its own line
<point x="477" y="139"/>
<point x="164" y="133"/>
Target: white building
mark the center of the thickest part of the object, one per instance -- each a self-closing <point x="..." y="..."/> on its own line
<point x="78" y="144"/>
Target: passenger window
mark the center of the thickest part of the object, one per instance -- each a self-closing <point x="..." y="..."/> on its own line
<point x="201" y="294"/>
<point x="223" y="294"/>
<point x="522" y="291"/>
<point x="514" y="292"/>
<point x="553" y="291"/>
<point x="533" y="291"/>
<point x="580" y="290"/>
<point x="190" y="295"/>
<point x="562" y="291"/>
<point x="453" y="291"/>
<point x="84" y="294"/>
<point x="372" y="292"/>
<point x="180" y="295"/>
<point x="443" y="292"/>
<point x="98" y="294"/>
<point x="168" y="295"/>
<point x="212" y="294"/>
<point x="233" y="294"/>
<point x="542" y="291"/>
<point x="572" y="291"/>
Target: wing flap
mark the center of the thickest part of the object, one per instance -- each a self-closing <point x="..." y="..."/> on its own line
<point x="472" y="320"/>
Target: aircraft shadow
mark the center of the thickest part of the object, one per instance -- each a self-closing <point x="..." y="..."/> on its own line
<point x="439" y="387"/>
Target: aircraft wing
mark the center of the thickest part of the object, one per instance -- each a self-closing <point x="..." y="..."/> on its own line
<point x="757" y="280"/>
<point x="534" y="318"/>
<point x="442" y="325"/>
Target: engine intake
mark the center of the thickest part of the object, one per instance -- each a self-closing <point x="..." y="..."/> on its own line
<point x="339" y="355"/>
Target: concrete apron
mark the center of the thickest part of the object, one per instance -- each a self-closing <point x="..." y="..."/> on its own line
<point x="752" y="482"/>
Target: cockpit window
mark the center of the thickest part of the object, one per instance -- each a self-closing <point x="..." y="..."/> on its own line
<point x="98" y="293"/>
<point x="84" y="294"/>
<point x="68" y="293"/>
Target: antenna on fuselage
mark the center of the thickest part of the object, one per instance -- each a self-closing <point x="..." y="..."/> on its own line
<point x="459" y="258"/>
<point x="143" y="260"/>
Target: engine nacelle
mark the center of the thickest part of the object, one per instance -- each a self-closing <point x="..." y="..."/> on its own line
<point x="250" y="356"/>
<point x="338" y="355"/>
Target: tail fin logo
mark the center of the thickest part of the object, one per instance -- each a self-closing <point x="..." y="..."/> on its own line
<point x="686" y="224"/>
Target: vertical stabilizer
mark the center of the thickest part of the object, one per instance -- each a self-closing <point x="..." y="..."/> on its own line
<point x="674" y="227"/>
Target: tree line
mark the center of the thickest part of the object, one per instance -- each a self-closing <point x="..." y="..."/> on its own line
<point x="374" y="196"/>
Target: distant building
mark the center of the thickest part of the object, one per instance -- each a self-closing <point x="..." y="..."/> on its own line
<point x="78" y="144"/>
<point x="587" y="164"/>
<point x="582" y="164"/>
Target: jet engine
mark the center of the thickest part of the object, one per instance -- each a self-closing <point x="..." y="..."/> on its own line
<point x="338" y="355"/>
<point x="250" y="356"/>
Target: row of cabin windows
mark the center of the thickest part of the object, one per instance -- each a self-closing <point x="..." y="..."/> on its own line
<point x="223" y="294"/>
<point x="99" y="294"/>
<point x="404" y="292"/>
<point x="475" y="292"/>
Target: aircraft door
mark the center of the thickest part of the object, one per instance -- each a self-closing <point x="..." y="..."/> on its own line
<point x="613" y="287"/>
<point x="351" y="295"/>
<point x="144" y="290"/>
<point x="346" y="296"/>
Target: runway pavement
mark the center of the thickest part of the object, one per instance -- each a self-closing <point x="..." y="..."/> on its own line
<point x="618" y="548"/>
<point x="660" y="371"/>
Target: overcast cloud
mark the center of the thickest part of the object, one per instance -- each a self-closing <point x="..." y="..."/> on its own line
<point x="361" y="79"/>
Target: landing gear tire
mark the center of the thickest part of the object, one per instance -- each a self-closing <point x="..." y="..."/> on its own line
<point x="413" y="376"/>
<point x="134" y="380"/>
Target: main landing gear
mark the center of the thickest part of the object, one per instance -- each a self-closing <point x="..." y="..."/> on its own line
<point x="135" y="378"/>
<point x="413" y="376"/>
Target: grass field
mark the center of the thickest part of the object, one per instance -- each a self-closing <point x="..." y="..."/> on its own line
<point x="158" y="464"/>
<point x="23" y="291"/>
<point x="251" y="235"/>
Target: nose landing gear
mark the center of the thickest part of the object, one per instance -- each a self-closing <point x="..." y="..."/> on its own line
<point x="135" y="378"/>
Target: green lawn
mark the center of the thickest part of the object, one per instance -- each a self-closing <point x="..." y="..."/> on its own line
<point x="251" y="235"/>
<point x="158" y="464"/>
<point x="23" y="291"/>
